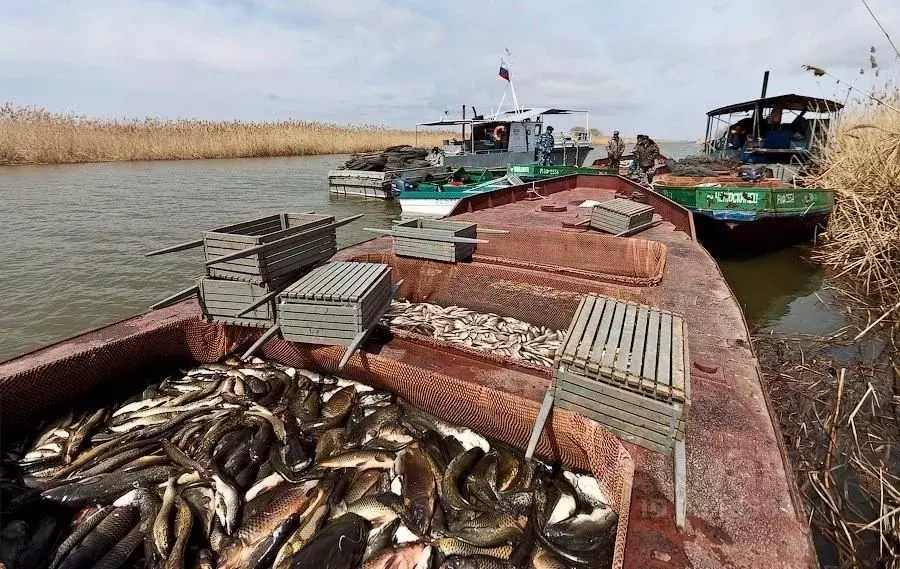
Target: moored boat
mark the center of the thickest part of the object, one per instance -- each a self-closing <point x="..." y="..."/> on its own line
<point x="734" y="217"/>
<point x="439" y="196"/>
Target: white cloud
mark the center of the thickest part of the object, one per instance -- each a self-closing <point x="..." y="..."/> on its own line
<point x="651" y="66"/>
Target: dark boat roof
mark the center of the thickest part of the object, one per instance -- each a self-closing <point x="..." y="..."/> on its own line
<point x="790" y="102"/>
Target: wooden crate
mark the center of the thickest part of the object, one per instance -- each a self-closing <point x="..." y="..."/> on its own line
<point x="303" y="241"/>
<point x="625" y="366"/>
<point x="429" y="239"/>
<point x="222" y="299"/>
<point x="334" y="303"/>
<point x="619" y="215"/>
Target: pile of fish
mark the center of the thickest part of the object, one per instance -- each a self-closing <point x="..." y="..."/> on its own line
<point x="392" y="158"/>
<point x="499" y="335"/>
<point x="258" y="465"/>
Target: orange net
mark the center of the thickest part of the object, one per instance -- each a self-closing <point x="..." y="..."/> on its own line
<point x="589" y="255"/>
<point x="26" y="392"/>
<point x="531" y="296"/>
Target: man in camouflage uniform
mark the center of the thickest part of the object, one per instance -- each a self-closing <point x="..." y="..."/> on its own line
<point x="615" y="148"/>
<point x="544" y="147"/>
<point x="645" y="153"/>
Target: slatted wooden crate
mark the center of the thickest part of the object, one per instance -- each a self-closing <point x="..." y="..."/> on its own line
<point x="334" y="303"/>
<point x="302" y="241"/>
<point x="619" y="215"/>
<point x="222" y="299"/>
<point x="430" y="239"/>
<point x="626" y="366"/>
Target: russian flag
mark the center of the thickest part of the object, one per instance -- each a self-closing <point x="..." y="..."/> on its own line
<point x="504" y="72"/>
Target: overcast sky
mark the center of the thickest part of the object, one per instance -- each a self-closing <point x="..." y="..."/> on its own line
<point x="654" y="66"/>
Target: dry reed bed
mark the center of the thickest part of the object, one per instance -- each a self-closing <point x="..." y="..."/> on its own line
<point x="33" y="136"/>
<point x="840" y="418"/>
<point x="862" y="164"/>
<point x="840" y="430"/>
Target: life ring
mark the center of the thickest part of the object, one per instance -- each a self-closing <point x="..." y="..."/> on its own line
<point x="499" y="131"/>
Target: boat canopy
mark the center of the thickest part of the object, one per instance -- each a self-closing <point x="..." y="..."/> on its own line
<point x="508" y="116"/>
<point x="790" y="102"/>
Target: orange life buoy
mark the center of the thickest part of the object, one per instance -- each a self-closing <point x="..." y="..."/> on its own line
<point x="499" y="132"/>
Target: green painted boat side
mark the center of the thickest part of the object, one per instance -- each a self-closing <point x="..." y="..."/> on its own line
<point x="537" y="172"/>
<point x="748" y="204"/>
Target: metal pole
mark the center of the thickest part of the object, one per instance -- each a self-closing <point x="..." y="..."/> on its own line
<point x="765" y="85"/>
<point x="513" y="89"/>
<point x="706" y="144"/>
<point x="464" y="125"/>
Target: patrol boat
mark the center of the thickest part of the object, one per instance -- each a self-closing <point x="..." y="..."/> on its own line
<point x="509" y="137"/>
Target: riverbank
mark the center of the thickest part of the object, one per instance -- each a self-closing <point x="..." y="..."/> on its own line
<point x="35" y="136"/>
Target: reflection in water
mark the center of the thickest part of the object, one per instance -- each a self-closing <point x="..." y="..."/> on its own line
<point x="782" y="290"/>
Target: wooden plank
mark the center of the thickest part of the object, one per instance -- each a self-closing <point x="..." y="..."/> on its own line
<point x="573" y="339"/>
<point x="315" y="339"/>
<point x="600" y="341"/>
<point x="687" y="370"/>
<point x="641" y="425"/>
<point x="238" y="227"/>
<point x="377" y="271"/>
<point x="591" y="331"/>
<point x="678" y="370"/>
<point x="290" y="328"/>
<point x="615" y="334"/>
<point x="587" y="398"/>
<point x="358" y="275"/>
<point x="651" y="344"/>
<point x="626" y="338"/>
<point x="304" y="287"/>
<point x="337" y="288"/>
<point x="243" y="322"/>
<point x="320" y="310"/>
<point x="664" y="367"/>
<point x="325" y="285"/>
<point x="680" y="464"/>
<point x="640" y="335"/>
<point x="605" y="389"/>
<point x="294" y="321"/>
<point x="625" y="431"/>
<point x="374" y="297"/>
<point x="262" y="340"/>
<point x="180" y="295"/>
<point x="540" y="421"/>
<point x="174" y="248"/>
<point x="558" y="357"/>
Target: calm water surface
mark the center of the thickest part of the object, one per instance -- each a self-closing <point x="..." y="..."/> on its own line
<point x="73" y="237"/>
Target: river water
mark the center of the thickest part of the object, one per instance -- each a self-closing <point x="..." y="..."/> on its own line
<point x="74" y="237"/>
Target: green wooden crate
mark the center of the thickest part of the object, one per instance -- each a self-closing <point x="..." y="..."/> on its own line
<point x="619" y="215"/>
<point x="222" y="299"/>
<point x="428" y="239"/>
<point x="334" y="303"/>
<point x="625" y="366"/>
<point x="303" y="241"/>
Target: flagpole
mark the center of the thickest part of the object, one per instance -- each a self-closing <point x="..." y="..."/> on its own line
<point x="500" y="106"/>
<point x="513" y="88"/>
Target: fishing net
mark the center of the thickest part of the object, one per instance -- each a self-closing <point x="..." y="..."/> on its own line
<point x="52" y="378"/>
<point x="588" y="255"/>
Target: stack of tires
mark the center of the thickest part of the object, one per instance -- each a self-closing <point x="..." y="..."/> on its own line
<point x="392" y="158"/>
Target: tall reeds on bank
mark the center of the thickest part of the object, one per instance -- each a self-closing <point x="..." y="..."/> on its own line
<point x="30" y="135"/>
<point x="862" y="164"/>
<point x="844" y="428"/>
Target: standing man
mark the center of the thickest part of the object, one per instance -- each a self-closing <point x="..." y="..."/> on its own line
<point x="645" y="153"/>
<point x="544" y="147"/>
<point x="615" y="148"/>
